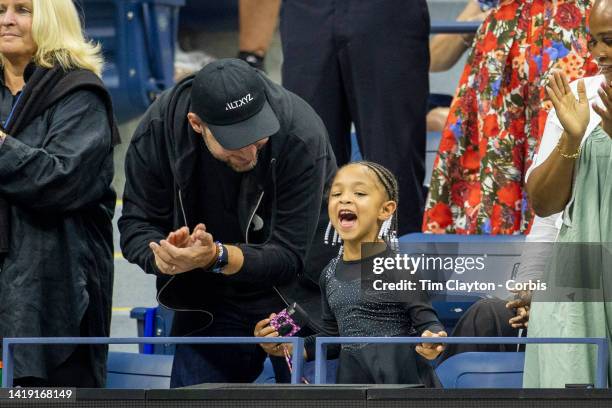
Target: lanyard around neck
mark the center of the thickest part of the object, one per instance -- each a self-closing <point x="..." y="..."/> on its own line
<point x="10" y="116"/>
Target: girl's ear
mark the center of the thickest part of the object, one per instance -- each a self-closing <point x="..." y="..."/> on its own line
<point x="387" y="210"/>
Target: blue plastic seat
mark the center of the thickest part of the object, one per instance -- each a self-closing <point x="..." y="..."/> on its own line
<point x="482" y="370"/>
<point x="154" y="322"/>
<point x="138" y="371"/>
<point x="267" y="375"/>
<point x="138" y="39"/>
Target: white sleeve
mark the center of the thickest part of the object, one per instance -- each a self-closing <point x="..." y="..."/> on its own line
<point x="544" y="229"/>
<point x="552" y="133"/>
<point x="538" y="248"/>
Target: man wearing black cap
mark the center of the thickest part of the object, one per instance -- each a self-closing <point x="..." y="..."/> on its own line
<point x="224" y="183"/>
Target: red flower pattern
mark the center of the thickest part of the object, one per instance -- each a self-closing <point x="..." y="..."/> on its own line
<point x="510" y="194"/>
<point x="568" y="16"/>
<point x="440" y="214"/>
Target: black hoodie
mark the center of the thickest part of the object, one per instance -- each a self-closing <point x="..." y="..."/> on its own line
<point x="161" y="195"/>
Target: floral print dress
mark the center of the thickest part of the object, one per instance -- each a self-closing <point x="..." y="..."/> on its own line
<point x="498" y="114"/>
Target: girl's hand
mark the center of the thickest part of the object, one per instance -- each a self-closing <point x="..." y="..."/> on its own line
<point x="605" y="93"/>
<point x="431" y="350"/>
<point x="573" y="113"/>
<point x="263" y="329"/>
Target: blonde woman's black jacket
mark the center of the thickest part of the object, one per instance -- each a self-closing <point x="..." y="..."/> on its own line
<point x="55" y="175"/>
<point x="161" y="195"/>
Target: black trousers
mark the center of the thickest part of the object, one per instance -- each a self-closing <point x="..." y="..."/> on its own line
<point x="485" y="318"/>
<point x="76" y="371"/>
<point x="365" y="62"/>
<point x="385" y="364"/>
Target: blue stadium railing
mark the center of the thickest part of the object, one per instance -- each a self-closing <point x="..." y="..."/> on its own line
<point x="9" y="343"/>
<point x="601" y="374"/>
<point x="454" y="27"/>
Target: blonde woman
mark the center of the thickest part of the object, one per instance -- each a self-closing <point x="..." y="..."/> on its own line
<point x="57" y="203"/>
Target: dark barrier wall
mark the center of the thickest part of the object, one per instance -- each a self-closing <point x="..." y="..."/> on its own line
<point x="233" y="396"/>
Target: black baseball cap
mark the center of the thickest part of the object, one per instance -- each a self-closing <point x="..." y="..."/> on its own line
<point x="229" y="96"/>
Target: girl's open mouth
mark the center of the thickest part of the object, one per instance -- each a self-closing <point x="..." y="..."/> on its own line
<point x="347" y="218"/>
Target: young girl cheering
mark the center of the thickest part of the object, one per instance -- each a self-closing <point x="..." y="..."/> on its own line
<point x="362" y="203"/>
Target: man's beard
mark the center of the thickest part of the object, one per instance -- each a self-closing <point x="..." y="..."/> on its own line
<point x="232" y="166"/>
<point x="250" y="167"/>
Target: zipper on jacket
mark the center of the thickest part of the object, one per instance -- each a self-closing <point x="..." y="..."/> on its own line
<point x="180" y="196"/>
<point x="246" y="241"/>
<point x="273" y="169"/>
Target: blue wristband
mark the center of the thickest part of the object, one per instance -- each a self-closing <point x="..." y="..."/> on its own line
<point x="222" y="258"/>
